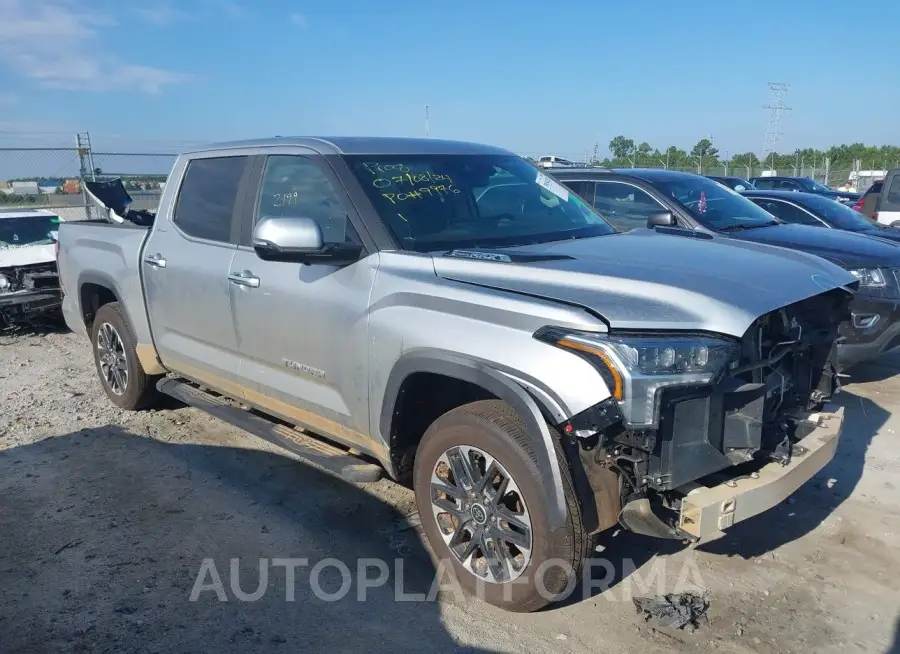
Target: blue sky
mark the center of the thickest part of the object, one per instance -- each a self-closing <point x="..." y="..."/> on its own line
<point x="531" y="76"/>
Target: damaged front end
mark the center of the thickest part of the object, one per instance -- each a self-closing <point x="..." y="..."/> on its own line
<point x="693" y="453"/>
<point x="28" y="291"/>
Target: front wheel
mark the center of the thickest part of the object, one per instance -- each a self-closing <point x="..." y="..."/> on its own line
<point x="484" y="509"/>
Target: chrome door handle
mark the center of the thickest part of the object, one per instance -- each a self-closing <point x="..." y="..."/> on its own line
<point x="156" y="260"/>
<point x="244" y="278"/>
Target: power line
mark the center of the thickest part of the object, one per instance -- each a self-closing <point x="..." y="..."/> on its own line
<point x="776" y="108"/>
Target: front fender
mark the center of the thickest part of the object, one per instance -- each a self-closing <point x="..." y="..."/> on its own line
<point x="498" y="384"/>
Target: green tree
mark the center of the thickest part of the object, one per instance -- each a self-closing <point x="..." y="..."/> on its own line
<point x="621" y="147"/>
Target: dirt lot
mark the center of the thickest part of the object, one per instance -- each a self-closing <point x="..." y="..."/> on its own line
<point x="107" y="517"/>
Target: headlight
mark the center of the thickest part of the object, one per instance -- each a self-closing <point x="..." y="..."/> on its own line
<point x="871" y="277"/>
<point x="636" y="367"/>
<point x="4" y="283"/>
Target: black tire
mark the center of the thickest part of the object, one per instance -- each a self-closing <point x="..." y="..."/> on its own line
<point x="494" y="427"/>
<point x="140" y="388"/>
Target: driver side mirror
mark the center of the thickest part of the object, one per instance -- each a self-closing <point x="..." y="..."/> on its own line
<point x="299" y="240"/>
<point x="661" y="219"/>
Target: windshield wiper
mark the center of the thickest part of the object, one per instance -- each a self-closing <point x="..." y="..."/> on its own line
<point x="742" y="226"/>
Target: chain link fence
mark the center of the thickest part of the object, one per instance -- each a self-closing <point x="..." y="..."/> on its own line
<point x="53" y="178"/>
<point x="857" y="180"/>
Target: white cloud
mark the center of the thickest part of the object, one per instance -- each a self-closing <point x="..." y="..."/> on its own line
<point x="298" y="19"/>
<point x="59" y="45"/>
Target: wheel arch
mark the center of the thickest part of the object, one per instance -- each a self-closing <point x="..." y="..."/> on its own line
<point x="493" y="383"/>
<point x="96" y="289"/>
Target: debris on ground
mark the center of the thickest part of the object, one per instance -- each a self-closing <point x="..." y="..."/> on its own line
<point x="675" y="610"/>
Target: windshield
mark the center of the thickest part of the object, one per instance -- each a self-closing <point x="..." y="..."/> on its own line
<point x="31" y="230"/>
<point x="714" y="206"/>
<point x="838" y="215"/>
<point x="812" y="185"/>
<point x="438" y="201"/>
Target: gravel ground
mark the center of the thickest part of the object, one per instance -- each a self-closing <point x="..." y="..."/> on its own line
<point x="107" y="518"/>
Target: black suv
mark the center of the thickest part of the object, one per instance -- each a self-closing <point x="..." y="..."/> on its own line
<point x="674" y="202"/>
<point x="804" y="185"/>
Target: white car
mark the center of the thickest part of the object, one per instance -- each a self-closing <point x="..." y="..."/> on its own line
<point x="29" y="281"/>
<point x="555" y="162"/>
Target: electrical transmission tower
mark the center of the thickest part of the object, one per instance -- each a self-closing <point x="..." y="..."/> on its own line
<point x="776" y="108"/>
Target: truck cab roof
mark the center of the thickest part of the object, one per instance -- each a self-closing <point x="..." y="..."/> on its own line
<point x="382" y="145"/>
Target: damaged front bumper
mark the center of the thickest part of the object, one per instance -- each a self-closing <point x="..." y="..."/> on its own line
<point x="705" y="511"/>
<point x="25" y="304"/>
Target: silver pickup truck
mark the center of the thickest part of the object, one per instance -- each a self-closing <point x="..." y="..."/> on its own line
<point x="449" y="314"/>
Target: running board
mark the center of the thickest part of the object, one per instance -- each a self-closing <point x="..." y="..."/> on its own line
<point x="312" y="450"/>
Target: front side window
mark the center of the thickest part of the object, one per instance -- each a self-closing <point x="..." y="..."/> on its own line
<point x="206" y="199"/>
<point x="624" y="205"/>
<point x="296" y="187"/>
<point x="444" y="201"/>
<point x="765" y="184"/>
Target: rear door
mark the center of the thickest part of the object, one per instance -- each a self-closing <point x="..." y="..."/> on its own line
<point x="302" y="328"/>
<point x="185" y="266"/>
<point x="889" y="202"/>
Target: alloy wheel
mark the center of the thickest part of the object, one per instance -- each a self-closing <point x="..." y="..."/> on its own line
<point x="481" y="514"/>
<point x="113" y="362"/>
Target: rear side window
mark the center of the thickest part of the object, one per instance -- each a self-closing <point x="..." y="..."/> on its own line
<point x="875" y="188"/>
<point x="207" y="196"/>
<point x="765" y="184"/>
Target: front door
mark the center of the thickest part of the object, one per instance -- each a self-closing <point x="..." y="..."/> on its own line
<point x="185" y="266"/>
<point x="302" y="329"/>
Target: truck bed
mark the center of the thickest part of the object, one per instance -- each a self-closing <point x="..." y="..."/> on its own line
<point x="105" y="254"/>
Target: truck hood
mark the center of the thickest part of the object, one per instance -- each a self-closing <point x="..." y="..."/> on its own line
<point x="643" y="280"/>
<point x="847" y="249"/>
<point x="26" y="255"/>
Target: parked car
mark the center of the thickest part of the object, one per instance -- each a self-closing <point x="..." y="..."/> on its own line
<point x="447" y="313"/>
<point x="674" y="201"/>
<point x="29" y="283"/>
<point x="869" y="200"/>
<point x="735" y="183"/>
<point x="814" y="210"/>
<point x="804" y="185"/>
<point x="887" y="204"/>
<point x="552" y="161"/>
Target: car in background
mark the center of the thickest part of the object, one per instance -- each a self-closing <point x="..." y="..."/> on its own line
<point x="685" y="204"/>
<point x="803" y="185"/>
<point x="869" y="200"/>
<point x="551" y="161"/>
<point x="29" y="281"/>
<point x="808" y="209"/>
<point x="887" y="204"/>
<point x="734" y="183"/>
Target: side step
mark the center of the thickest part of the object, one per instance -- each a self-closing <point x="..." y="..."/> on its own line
<point x="333" y="459"/>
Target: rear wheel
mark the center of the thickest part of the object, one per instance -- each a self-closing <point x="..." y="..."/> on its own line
<point x="485" y="509"/>
<point x="118" y="367"/>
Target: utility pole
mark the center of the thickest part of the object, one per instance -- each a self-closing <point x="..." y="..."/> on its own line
<point x="776" y="108"/>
